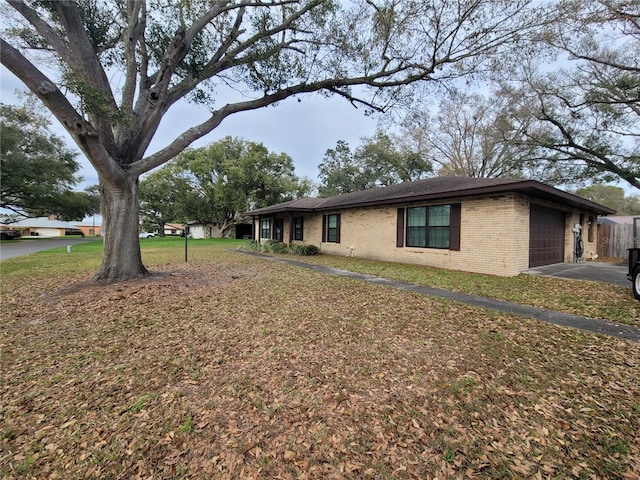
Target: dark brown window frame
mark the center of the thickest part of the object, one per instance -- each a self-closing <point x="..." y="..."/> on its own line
<point x="326" y="230"/>
<point x="264" y="230"/>
<point x="455" y="210"/>
<point x="298" y="230"/>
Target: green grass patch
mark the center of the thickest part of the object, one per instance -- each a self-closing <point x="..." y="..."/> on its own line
<point x="142" y="402"/>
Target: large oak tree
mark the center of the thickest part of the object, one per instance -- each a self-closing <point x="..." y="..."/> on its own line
<point x="71" y="53"/>
<point x="583" y="119"/>
<point x="465" y="136"/>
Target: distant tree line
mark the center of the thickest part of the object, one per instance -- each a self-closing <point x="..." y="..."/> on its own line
<point x="216" y="184"/>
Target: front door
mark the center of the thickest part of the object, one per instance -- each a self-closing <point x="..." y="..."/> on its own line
<point x="278" y="228"/>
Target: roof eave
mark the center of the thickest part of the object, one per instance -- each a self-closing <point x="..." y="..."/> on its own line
<point x="531" y="188"/>
<point x="568" y="198"/>
<point x="272" y="210"/>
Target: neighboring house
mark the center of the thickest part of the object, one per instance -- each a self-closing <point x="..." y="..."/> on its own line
<point x="618" y="233"/>
<point x="173" y="228"/>
<point x="238" y="231"/>
<point x="495" y="226"/>
<point x="45" y="227"/>
<point x="619" y="220"/>
<point x="89" y="229"/>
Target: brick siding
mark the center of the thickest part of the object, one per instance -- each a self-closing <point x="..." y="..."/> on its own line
<point x="494" y="235"/>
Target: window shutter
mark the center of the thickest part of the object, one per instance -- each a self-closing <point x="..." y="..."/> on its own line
<point x="400" y="228"/>
<point x="338" y="228"/>
<point x="291" y="227"/>
<point x="454" y="226"/>
<point x="324" y="228"/>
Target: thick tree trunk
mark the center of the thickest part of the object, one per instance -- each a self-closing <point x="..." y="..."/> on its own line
<point x="225" y="228"/>
<point x="120" y="223"/>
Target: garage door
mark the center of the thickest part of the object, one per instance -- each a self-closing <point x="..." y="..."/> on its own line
<point x="546" y="236"/>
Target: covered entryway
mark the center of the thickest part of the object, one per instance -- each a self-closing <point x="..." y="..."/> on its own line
<point x="546" y="236"/>
<point x="278" y="229"/>
<point x="244" y="231"/>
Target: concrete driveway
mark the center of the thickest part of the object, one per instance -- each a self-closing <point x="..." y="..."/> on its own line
<point x="594" y="271"/>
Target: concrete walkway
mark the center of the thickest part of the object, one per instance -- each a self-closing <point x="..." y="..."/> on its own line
<point x="603" y="327"/>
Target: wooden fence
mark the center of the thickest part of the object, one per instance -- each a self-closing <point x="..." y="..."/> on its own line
<point x="615" y="239"/>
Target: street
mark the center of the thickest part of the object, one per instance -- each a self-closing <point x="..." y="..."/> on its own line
<point x="17" y="248"/>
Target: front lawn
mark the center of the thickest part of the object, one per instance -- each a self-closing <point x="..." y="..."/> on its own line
<point x="590" y="299"/>
<point x="234" y="367"/>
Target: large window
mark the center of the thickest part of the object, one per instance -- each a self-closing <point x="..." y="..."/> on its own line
<point x="331" y="228"/>
<point x="265" y="229"/>
<point x="298" y="228"/>
<point x="429" y="227"/>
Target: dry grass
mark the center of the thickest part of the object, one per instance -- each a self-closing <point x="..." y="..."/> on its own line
<point x="232" y="367"/>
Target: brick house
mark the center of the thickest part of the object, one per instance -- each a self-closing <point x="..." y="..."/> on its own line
<point x="46" y="227"/>
<point x="485" y="225"/>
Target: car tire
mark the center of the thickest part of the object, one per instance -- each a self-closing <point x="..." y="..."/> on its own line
<point x="635" y="283"/>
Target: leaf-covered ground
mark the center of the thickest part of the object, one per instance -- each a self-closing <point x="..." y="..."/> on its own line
<point x="590" y="299"/>
<point x="232" y="367"/>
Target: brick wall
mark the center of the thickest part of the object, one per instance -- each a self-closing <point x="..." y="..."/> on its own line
<point x="488" y="243"/>
<point x="494" y="235"/>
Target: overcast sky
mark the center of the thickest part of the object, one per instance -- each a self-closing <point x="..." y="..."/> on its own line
<point x="303" y="130"/>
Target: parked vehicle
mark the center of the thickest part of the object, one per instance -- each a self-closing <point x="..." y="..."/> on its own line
<point x="7" y="233"/>
<point x="73" y="231"/>
<point x="634" y="271"/>
<point x="146" y="235"/>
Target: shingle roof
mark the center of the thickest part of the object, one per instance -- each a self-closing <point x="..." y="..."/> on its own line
<point x="619" y="219"/>
<point x="433" y="189"/>
<point x="42" y="222"/>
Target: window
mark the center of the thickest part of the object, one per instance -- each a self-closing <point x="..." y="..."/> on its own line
<point x="298" y="226"/>
<point x="265" y="229"/>
<point x="331" y="228"/>
<point x="417" y="227"/>
<point x="431" y="227"/>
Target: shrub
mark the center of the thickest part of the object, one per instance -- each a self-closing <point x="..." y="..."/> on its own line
<point x="251" y="245"/>
<point x="272" y="246"/>
<point x="305" y="250"/>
